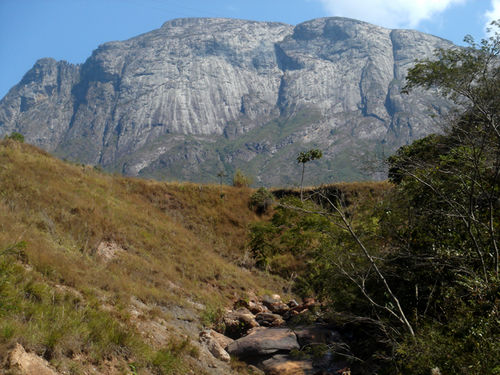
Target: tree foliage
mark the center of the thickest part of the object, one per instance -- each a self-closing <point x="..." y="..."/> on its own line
<point x="444" y="228"/>
<point x="303" y="158"/>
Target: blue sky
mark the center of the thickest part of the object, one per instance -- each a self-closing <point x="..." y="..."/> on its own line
<point x="71" y="29"/>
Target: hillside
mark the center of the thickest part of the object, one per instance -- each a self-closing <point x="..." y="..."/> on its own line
<point x="198" y="96"/>
<point x="100" y="271"/>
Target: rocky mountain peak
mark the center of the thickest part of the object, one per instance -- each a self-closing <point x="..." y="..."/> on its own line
<point x="202" y="94"/>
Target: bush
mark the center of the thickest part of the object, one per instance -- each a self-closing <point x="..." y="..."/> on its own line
<point x="261" y="201"/>
<point x="241" y="180"/>
<point x="18" y="137"/>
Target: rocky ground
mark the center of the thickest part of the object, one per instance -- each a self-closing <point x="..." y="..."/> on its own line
<point x="270" y="336"/>
<point x="279" y="338"/>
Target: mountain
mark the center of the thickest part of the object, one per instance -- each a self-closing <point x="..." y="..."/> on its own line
<point x="198" y="96"/>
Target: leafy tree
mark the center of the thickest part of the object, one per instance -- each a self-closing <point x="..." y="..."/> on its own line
<point x="443" y="221"/>
<point x="465" y="176"/>
<point x="305" y="157"/>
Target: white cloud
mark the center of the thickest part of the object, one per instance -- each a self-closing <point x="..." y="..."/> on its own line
<point x="494" y="13"/>
<point x="390" y="13"/>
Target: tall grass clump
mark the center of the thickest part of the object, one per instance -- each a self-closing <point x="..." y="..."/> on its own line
<point x="241" y="180"/>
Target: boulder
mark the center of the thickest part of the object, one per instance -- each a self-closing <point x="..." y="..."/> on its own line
<point x="271" y="299"/>
<point x="269" y="320"/>
<point x="222" y="340"/>
<point x="238" y="322"/>
<point x="256" y="307"/>
<point x="214" y="347"/>
<point x="25" y="363"/>
<point x="297" y="309"/>
<point x="274" y="304"/>
<point x="284" y="365"/>
<point x="264" y="341"/>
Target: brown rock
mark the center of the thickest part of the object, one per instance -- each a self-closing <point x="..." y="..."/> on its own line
<point x="309" y="302"/>
<point x="28" y="363"/>
<point x="269" y="300"/>
<point x="269" y="320"/>
<point x="256" y="307"/>
<point x="107" y="251"/>
<point x="263" y="341"/>
<point x="299" y="309"/>
<point x="283" y="365"/>
<point x="238" y="323"/>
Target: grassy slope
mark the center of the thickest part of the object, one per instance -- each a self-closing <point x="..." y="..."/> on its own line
<point x="182" y="234"/>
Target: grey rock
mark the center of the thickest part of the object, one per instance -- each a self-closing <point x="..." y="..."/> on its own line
<point x="214" y="346"/>
<point x="263" y="341"/>
<point x="198" y="95"/>
<point x="222" y="340"/>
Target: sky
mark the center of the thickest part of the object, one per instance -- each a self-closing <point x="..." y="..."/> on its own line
<point x="71" y="29"/>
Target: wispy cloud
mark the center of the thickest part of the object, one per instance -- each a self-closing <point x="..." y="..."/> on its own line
<point x="392" y="13"/>
<point x="494" y="13"/>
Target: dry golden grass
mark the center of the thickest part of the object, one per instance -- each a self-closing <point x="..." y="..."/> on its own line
<point x="178" y="242"/>
<point x="184" y="234"/>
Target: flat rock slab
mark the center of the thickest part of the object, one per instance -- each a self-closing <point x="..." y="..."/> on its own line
<point x="284" y="365"/>
<point x="264" y="341"/>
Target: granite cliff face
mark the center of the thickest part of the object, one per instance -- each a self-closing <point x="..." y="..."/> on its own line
<point x="200" y="95"/>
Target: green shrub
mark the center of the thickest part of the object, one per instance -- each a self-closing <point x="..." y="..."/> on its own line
<point x="261" y="201"/>
<point x="212" y="317"/>
<point x="15" y="136"/>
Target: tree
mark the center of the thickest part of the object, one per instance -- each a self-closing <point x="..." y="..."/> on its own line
<point x="465" y="175"/>
<point x="305" y="157"/>
<point x="447" y="210"/>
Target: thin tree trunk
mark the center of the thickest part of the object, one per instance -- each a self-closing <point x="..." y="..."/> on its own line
<point x="301" y="183"/>
<point x="402" y="315"/>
